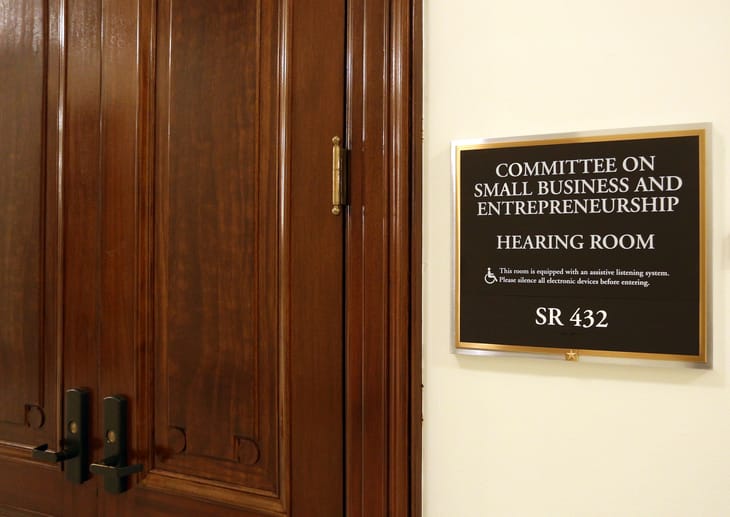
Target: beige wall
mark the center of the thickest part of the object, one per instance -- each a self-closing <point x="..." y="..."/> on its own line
<point x="531" y="437"/>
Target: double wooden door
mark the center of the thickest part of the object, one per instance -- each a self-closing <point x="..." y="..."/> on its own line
<point x="166" y="236"/>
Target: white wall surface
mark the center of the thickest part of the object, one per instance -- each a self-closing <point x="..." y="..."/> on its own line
<point x="519" y="436"/>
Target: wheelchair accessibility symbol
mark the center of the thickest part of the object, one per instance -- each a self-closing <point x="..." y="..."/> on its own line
<point x="489" y="278"/>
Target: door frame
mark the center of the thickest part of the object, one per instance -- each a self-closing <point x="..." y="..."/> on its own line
<point x="383" y="259"/>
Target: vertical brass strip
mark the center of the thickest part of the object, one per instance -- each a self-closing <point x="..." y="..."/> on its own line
<point x="336" y="176"/>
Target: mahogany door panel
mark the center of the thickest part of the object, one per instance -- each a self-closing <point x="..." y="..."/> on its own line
<point x="29" y="258"/>
<point x="222" y="262"/>
<point x="217" y="391"/>
<point x="26" y="272"/>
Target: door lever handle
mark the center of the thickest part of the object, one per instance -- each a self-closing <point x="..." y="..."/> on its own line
<point x="74" y="454"/>
<point x="113" y="468"/>
<point x="43" y="454"/>
<point x="108" y="467"/>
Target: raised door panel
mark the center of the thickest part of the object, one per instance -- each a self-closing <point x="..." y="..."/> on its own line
<point x="222" y="264"/>
<point x="219" y="397"/>
<point x="28" y="219"/>
<point x="29" y="258"/>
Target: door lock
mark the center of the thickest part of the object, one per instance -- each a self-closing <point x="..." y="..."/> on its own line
<point x="74" y="454"/>
<point x="113" y="468"/>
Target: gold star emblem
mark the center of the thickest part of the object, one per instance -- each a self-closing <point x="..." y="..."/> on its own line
<point x="571" y="355"/>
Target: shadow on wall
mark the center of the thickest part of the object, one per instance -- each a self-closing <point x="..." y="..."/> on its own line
<point x="558" y="367"/>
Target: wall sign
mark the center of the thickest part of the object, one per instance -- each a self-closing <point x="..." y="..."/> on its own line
<point x="590" y="245"/>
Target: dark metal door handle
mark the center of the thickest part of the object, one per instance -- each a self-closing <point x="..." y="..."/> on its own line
<point x="74" y="454"/>
<point x="113" y="468"/>
<point x="109" y="469"/>
<point x="42" y="453"/>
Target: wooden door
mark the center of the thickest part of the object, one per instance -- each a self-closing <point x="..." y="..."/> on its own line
<point x="167" y="236"/>
<point x="216" y="161"/>
<point x="31" y="258"/>
<point x="162" y="237"/>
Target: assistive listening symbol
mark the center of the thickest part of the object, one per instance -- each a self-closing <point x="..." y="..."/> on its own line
<point x="489" y="278"/>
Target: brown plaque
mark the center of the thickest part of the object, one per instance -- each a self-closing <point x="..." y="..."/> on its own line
<point x="583" y="245"/>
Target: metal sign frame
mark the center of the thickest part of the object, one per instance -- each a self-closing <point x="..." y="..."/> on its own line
<point x="578" y="351"/>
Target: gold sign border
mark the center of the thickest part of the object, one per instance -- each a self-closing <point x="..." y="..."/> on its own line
<point x="571" y="354"/>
